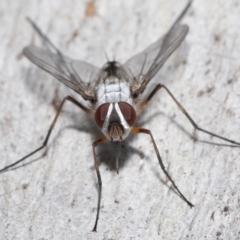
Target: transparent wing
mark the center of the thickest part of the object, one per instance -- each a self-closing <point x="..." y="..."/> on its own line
<point x="78" y="75"/>
<point x="142" y="67"/>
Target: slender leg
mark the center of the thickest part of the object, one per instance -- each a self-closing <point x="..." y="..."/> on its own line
<point x="99" y="141"/>
<point x="182" y="14"/>
<point x="146" y="131"/>
<point x="196" y="127"/>
<point x="88" y="111"/>
<point x="117" y="161"/>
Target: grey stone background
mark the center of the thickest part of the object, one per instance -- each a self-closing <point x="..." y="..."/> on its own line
<point x="55" y="197"/>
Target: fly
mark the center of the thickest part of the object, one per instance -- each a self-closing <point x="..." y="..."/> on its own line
<point x="114" y="91"/>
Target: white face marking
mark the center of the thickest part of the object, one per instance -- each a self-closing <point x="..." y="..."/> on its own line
<point x="106" y="122"/>
<point x="122" y="121"/>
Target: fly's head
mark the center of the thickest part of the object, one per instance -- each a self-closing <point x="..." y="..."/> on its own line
<point x="115" y="120"/>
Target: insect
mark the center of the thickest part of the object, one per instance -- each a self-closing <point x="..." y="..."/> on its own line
<point x="114" y="91"/>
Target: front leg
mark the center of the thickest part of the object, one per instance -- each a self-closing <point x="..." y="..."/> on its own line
<point x="146" y="131"/>
<point x="96" y="143"/>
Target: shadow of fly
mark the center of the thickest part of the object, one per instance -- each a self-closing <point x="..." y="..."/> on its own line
<point x="114" y="91"/>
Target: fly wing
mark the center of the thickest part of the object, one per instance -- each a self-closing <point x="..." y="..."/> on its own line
<point x="141" y="68"/>
<point x="144" y="66"/>
<point x="78" y="75"/>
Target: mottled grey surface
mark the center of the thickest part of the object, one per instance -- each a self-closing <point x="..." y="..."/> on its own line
<point x="55" y="197"/>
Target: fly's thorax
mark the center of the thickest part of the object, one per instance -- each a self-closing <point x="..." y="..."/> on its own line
<point x="114" y="90"/>
<point x="115" y="120"/>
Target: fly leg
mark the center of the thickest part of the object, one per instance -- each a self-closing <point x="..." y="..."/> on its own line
<point x="88" y="111"/>
<point x="99" y="141"/>
<point x="196" y="127"/>
<point x="146" y="131"/>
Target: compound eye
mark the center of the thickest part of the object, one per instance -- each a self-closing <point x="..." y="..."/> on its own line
<point x="128" y="112"/>
<point x="101" y="114"/>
